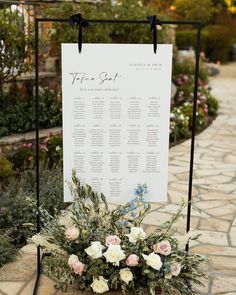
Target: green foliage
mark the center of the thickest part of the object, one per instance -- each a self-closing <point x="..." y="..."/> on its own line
<point x="18" y="115"/>
<point x="220" y="3"/>
<point x="213" y="106"/>
<point x="99" y="33"/>
<point x="6" y="170"/>
<point x="7" y="250"/>
<point x="18" y="205"/>
<point x="16" y="212"/>
<point x="15" y="46"/>
<point x="195" y="10"/>
<point x="187" y="67"/>
<point x="51" y="151"/>
<point x="133" y="33"/>
<point x="182" y="106"/>
<point x="64" y="33"/>
<point x="24" y="157"/>
<point x="188" y="38"/>
<point x="216" y="41"/>
<point x="219" y="41"/>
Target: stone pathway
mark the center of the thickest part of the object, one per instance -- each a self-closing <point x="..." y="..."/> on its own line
<point x="214" y="202"/>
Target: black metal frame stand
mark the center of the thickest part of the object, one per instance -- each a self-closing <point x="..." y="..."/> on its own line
<point x="197" y="26"/>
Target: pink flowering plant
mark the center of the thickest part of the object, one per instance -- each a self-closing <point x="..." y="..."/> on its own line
<point x="182" y="102"/>
<point x="92" y="247"/>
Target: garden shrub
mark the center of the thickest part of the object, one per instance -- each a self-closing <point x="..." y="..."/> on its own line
<point x="219" y="41"/>
<point x="103" y="33"/>
<point x="15" y="46"/>
<point x="216" y="40"/>
<point x="187" y="67"/>
<point x="17" y="115"/>
<point x="195" y="10"/>
<point x="50" y="154"/>
<point x="6" y="170"/>
<point x="15" y="212"/>
<point x="51" y="187"/>
<point x="18" y="204"/>
<point x="7" y="250"/>
<point x="51" y="151"/>
<point x="182" y="105"/>
<point x="188" y="38"/>
<point x="24" y="157"/>
<point x="213" y="106"/>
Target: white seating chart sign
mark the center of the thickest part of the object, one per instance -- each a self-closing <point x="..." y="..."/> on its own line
<point x="116" y="110"/>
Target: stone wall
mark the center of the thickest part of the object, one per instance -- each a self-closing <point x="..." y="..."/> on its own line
<point x="25" y="84"/>
<point x="10" y="144"/>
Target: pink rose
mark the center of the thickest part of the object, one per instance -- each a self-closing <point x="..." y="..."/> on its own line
<point x="43" y="147"/>
<point x="163" y="248"/>
<point x="205" y="110"/>
<point x="78" y="267"/>
<point x="72" y="233"/>
<point x="30" y="158"/>
<point x="132" y="260"/>
<point x="175" y="268"/>
<point x="112" y="240"/>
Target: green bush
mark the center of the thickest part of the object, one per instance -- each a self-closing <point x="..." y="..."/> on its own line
<point x="15" y="46"/>
<point x="182" y="105"/>
<point x="104" y="33"/>
<point x="24" y="158"/>
<point x="7" y="250"/>
<point x="187" y="67"/>
<point x="195" y="10"/>
<point x="18" y="204"/>
<point x="17" y="115"/>
<point x="216" y="40"/>
<point x="213" y="106"/>
<point x="15" y="213"/>
<point x="188" y="38"/>
<point x="51" y="152"/>
<point x="6" y="170"/>
<point x="219" y="42"/>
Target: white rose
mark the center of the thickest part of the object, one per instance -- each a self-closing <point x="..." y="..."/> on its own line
<point x="72" y="260"/>
<point x="58" y="148"/>
<point x="95" y="250"/>
<point x="153" y="260"/>
<point x="100" y="285"/>
<point x="126" y="275"/>
<point x="114" y="254"/>
<point x="136" y="233"/>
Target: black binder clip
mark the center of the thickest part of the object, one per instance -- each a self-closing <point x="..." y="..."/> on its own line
<point x="154" y="22"/>
<point x="75" y="21"/>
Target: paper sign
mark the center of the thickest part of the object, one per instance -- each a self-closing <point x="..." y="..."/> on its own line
<point x="116" y="110"/>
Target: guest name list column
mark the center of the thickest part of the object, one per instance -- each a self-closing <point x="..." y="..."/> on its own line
<point x="116" y="105"/>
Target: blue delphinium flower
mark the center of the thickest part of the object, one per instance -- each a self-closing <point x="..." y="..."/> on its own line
<point x="166" y="267"/>
<point x="133" y="214"/>
<point x="123" y="222"/>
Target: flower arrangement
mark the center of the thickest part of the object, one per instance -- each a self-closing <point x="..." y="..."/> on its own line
<point x="95" y="248"/>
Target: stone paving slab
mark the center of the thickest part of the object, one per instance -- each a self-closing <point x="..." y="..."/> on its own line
<point x="214" y="203"/>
